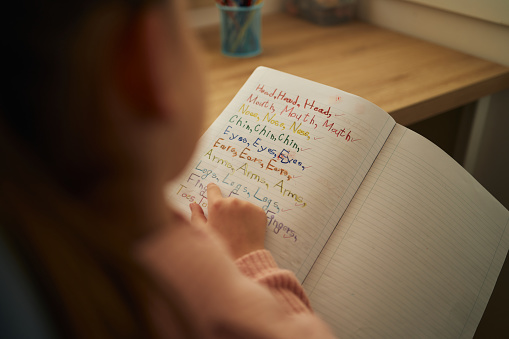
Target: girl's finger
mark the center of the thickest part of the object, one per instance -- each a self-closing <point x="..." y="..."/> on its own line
<point x="197" y="215"/>
<point x="213" y="192"/>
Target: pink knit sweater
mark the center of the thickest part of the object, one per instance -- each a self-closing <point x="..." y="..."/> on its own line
<point x="249" y="298"/>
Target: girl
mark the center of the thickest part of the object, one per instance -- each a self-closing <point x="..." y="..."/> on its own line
<point x="99" y="106"/>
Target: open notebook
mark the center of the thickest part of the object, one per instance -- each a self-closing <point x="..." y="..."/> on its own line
<point x="390" y="237"/>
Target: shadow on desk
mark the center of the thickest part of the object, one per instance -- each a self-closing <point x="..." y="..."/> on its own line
<point x="495" y="321"/>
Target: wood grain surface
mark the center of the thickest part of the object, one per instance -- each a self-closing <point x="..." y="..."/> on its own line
<point x="409" y="78"/>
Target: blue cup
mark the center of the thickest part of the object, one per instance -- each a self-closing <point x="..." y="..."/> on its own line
<point x="241" y="29"/>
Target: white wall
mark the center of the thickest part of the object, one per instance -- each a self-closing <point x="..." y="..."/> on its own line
<point x="481" y="38"/>
<point x="477" y="37"/>
<point x="490" y="10"/>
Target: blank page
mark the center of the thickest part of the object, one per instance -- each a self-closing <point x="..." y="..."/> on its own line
<point x="294" y="147"/>
<point x="418" y="251"/>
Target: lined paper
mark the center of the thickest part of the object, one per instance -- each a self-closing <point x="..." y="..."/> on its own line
<point x="294" y="147"/>
<point x="418" y="251"/>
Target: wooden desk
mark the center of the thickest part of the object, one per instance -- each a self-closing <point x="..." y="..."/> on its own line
<point x="409" y="78"/>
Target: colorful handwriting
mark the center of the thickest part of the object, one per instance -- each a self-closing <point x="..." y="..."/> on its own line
<point x="227" y="181"/>
<point x="245" y="110"/>
<point x="298" y="130"/>
<point x="277" y="227"/>
<point x="219" y="161"/>
<point x="265" y="104"/>
<point x="244" y="154"/>
<point x="192" y="198"/>
<point x="251" y="175"/>
<point x="271" y="120"/>
<point x="260" y="148"/>
<point x="287" y="158"/>
<point x="199" y="184"/>
<point x="291" y="114"/>
<point x="264" y="199"/>
<point x="280" y="171"/>
<point x="206" y="172"/>
<point x="262" y="130"/>
<point x="235" y="119"/>
<point x="284" y="155"/>
<point x="280" y="96"/>
<point x="339" y="132"/>
<point x="224" y="147"/>
<point x="311" y="105"/>
<point x="258" y="195"/>
<point x="289" y="193"/>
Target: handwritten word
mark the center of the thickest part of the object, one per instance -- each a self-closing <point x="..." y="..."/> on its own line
<point x="245" y="110"/>
<point x="266" y="202"/>
<point x="264" y="104"/>
<point x="271" y="120"/>
<point x="251" y="175"/>
<point x="311" y="105"/>
<point x="286" y="158"/>
<point x="261" y="148"/>
<point x="281" y="96"/>
<point x="234" y="136"/>
<point x="281" y="171"/>
<point x="294" y="115"/>
<point x="206" y="172"/>
<point x="296" y="129"/>
<point x="238" y="187"/>
<point x="283" y="137"/>
<point x="264" y="131"/>
<point x="223" y="146"/>
<point x="288" y="193"/>
<point x="200" y="184"/>
<point x="219" y="161"/>
<point x="339" y="132"/>
<point x="192" y="198"/>
<point x="244" y="155"/>
<point x="241" y="123"/>
<point x="287" y="232"/>
<point x="264" y="199"/>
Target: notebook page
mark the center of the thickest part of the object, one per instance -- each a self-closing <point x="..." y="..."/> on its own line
<point x="294" y="147"/>
<point x="418" y="251"/>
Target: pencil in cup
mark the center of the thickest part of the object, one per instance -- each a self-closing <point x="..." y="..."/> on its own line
<point x="240" y="30"/>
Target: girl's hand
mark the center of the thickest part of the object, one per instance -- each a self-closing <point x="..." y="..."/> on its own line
<point x="240" y="223"/>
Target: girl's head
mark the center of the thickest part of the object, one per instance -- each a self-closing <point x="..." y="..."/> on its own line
<point x="97" y="87"/>
<point x="100" y="104"/>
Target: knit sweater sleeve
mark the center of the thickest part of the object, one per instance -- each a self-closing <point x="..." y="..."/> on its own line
<point x="249" y="298"/>
<point x="262" y="268"/>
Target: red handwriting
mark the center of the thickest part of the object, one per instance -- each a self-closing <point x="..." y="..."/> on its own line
<point x="339" y="132"/>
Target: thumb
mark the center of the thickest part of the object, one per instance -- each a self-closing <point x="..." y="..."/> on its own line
<point x="197" y="215"/>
